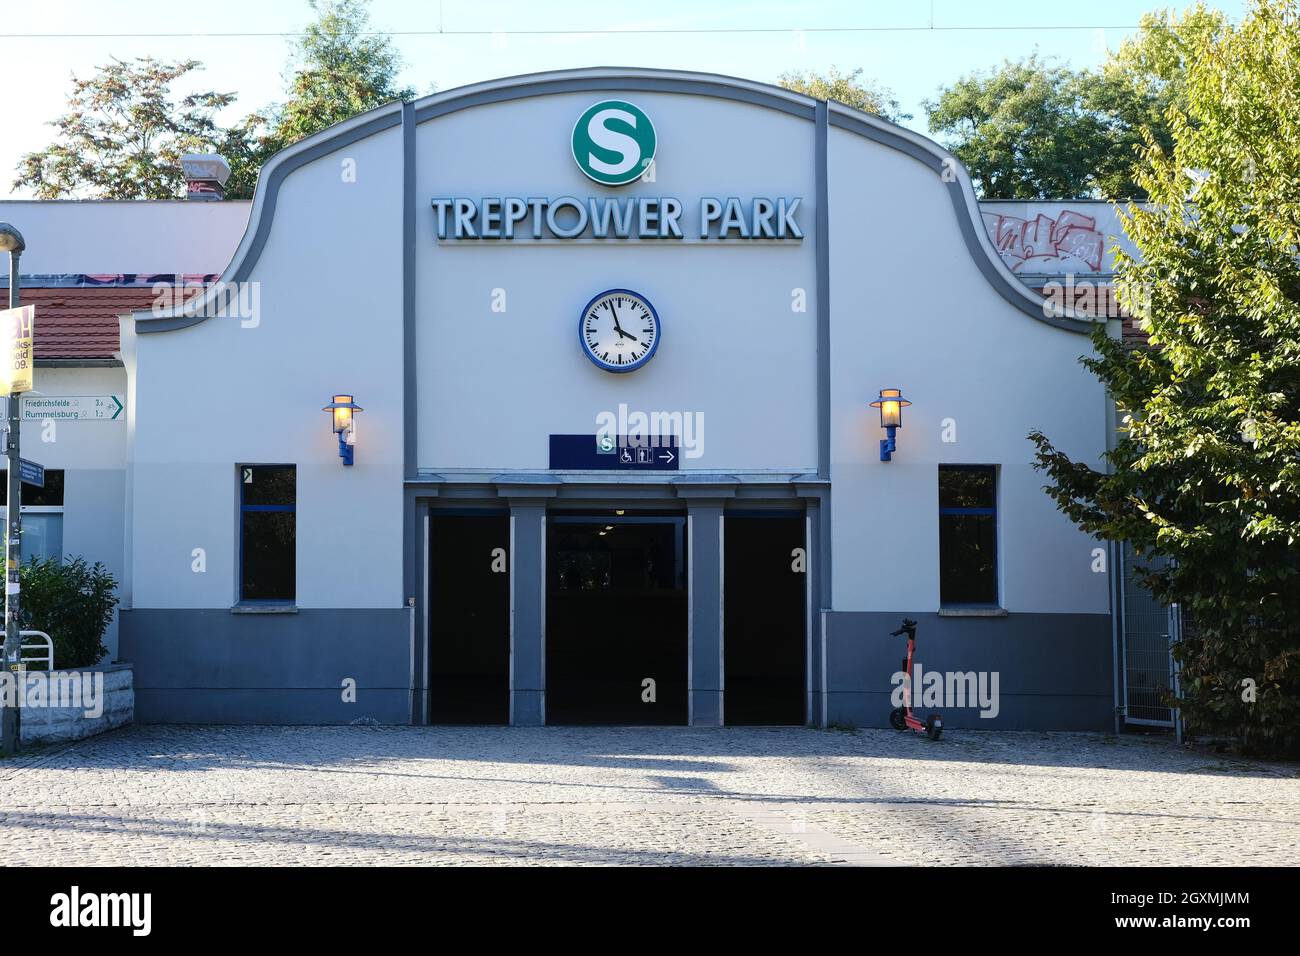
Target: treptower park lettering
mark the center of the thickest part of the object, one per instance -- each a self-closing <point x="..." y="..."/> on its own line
<point x="632" y="217"/>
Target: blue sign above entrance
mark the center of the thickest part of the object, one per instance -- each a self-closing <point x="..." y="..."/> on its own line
<point x="611" y="453"/>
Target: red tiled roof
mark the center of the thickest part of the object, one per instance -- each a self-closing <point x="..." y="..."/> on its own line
<point x="1100" y="299"/>
<point x="81" y="323"/>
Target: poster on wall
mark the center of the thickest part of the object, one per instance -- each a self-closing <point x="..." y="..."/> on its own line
<point x="16" y="347"/>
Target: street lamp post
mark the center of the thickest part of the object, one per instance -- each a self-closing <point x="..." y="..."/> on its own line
<point x="11" y="241"/>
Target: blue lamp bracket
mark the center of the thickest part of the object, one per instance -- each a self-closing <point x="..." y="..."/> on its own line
<point x="887" y="445"/>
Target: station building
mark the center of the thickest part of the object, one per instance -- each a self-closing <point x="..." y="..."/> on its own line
<point x="602" y="346"/>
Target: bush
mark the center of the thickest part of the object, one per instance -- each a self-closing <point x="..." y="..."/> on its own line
<point x="73" y="603"/>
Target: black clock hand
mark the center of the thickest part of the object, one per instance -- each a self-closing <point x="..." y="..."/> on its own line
<point x="617" y="328"/>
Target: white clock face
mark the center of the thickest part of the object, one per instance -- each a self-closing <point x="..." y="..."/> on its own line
<point x="619" y="330"/>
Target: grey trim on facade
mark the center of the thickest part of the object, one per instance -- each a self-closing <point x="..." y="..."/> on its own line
<point x="1115" y="555"/>
<point x="527" y="611"/>
<point x="962" y="194"/>
<point x="823" y="233"/>
<point x="622" y="79"/>
<point x="409" y="230"/>
<point x="260" y="219"/>
<point x="607" y="486"/>
<point x="634" y="79"/>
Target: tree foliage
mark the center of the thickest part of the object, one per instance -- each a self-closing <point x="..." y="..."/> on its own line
<point x="1032" y="129"/>
<point x="339" y="67"/>
<point x="124" y="134"/>
<point x="1206" y="468"/>
<point x="1023" y="130"/>
<point x="847" y="88"/>
<point x="1134" y="90"/>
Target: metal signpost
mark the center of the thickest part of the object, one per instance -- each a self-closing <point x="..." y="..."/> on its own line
<point x="11" y="241"/>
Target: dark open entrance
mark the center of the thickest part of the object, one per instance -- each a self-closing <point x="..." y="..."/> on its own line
<point x="469" y="619"/>
<point x="764" y="620"/>
<point x="615" y="617"/>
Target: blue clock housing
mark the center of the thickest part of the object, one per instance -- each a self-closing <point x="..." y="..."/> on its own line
<point x="615" y="366"/>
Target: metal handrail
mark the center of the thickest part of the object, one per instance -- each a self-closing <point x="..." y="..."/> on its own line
<point x="47" y="642"/>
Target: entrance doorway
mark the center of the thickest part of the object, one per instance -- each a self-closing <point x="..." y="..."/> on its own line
<point x="469" y="619"/>
<point x="765" y="619"/>
<point x="616" y="643"/>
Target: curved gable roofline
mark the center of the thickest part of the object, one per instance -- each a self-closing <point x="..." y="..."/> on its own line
<point x="269" y="180"/>
<point x="965" y="204"/>
<point x="615" y="79"/>
<point x="631" y="79"/>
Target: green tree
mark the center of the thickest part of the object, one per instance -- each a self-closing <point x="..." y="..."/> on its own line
<point x="1034" y="130"/>
<point x="124" y="134"/>
<point x="1023" y="130"/>
<point x="846" y="88"/>
<point x="339" y="67"/>
<point x="1134" y="90"/>
<point x="1206" y="467"/>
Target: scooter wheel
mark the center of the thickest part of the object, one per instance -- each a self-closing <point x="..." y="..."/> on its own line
<point x="897" y="719"/>
<point x="934" y="727"/>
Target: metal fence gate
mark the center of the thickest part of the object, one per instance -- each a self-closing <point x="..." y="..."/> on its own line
<point x="1150" y="630"/>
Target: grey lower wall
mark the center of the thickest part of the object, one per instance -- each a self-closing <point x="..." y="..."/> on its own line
<point x="111" y="705"/>
<point x="214" y="666"/>
<point x="1054" y="670"/>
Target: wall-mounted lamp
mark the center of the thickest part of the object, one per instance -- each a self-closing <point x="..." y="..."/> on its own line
<point x="342" y="410"/>
<point x="890" y="403"/>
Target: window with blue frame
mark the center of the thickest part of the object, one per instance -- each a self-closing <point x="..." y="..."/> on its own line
<point x="968" y="535"/>
<point x="267" y="532"/>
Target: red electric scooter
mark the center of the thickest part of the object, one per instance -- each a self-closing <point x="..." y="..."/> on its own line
<point x="902" y="718"/>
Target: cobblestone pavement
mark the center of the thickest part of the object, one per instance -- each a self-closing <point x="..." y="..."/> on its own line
<point x="366" y="795"/>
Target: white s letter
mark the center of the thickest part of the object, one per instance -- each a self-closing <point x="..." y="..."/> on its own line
<point x="613" y="141"/>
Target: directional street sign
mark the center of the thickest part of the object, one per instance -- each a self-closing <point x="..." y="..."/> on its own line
<point x="74" y="408"/>
<point x="31" y="473"/>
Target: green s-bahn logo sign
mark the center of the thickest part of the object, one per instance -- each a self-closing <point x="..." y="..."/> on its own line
<point x="613" y="142"/>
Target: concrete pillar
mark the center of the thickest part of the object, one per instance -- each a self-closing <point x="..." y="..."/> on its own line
<point x="704" y="564"/>
<point x="527" y="612"/>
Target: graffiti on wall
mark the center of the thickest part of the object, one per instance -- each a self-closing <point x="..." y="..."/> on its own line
<point x="1069" y="243"/>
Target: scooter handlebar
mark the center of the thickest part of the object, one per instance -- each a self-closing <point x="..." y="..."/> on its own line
<point x="909" y="627"/>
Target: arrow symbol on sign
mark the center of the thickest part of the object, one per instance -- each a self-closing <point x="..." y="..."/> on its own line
<point x="667" y="456"/>
<point x="118" y="402"/>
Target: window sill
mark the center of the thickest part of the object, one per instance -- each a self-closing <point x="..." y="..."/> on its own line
<point x="972" y="612"/>
<point x="264" y="609"/>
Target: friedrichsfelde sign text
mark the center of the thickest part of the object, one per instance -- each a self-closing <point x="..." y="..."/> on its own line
<point x="628" y="217"/>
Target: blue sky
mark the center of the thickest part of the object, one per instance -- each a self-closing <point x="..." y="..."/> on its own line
<point x="455" y="42"/>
